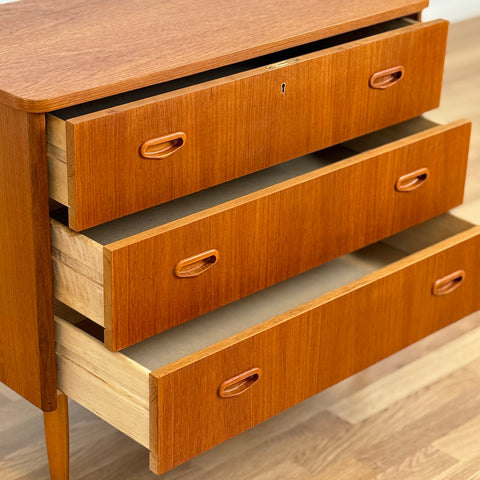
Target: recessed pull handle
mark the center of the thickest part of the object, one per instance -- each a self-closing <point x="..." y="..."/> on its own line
<point x="239" y="383"/>
<point x="194" y="266"/>
<point x="449" y="283"/>
<point x="387" y="78"/>
<point x="162" y="147"/>
<point x="411" y="181"/>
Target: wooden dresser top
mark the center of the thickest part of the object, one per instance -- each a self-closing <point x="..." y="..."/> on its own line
<point x="54" y="54"/>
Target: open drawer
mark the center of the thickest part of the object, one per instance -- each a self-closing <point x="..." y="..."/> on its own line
<point x="126" y="153"/>
<point x="188" y="389"/>
<point x="145" y="273"/>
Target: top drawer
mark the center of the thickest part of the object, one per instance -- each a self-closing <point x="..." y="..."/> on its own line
<point x="115" y="157"/>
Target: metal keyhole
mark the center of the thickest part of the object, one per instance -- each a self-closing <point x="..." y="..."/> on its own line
<point x="284" y="87"/>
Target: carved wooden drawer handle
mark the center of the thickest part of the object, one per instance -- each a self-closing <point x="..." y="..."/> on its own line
<point x="411" y="181"/>
<point x="239" y="383"/>
<point x="162" y="147"/>
<point x="387" y="78"/>
<point x="449" y="283"/>
<point x="193" y="266"/>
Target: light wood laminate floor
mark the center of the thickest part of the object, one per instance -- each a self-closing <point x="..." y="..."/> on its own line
<point x="415" y="415"/>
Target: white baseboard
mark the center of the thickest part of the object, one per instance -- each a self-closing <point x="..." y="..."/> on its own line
<point x="452" y="10"/>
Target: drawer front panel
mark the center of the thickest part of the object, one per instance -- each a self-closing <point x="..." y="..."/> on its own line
<point x="255" y="241"/>
<point x="308" y="349"/>
<point x="249" y="121"/>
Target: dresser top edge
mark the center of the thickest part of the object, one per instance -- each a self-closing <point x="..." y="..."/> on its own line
<point x="52" y="57"/>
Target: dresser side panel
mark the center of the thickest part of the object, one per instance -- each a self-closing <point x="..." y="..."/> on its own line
<point x="27" y="344"/>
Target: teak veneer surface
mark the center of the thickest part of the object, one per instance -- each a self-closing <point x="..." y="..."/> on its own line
<point x="52" y="57"/>
<point x="320" y="318"/>
<point x="436" y="396"/>
<point x="242" y="123"/>
<point x="27" y="345"/>
<point x="278" y="232"/>
<point x="263" y="237"/>
<point x="307" y="349"/>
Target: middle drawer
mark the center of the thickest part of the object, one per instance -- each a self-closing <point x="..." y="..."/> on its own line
<point x="149" y="272"/>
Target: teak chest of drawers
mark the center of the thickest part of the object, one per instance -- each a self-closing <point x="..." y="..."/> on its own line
<point x="218" y="176"/>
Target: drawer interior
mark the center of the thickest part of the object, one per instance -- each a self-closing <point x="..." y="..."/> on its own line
<point x="78" y="259"/>
<point x="109" y="383"/>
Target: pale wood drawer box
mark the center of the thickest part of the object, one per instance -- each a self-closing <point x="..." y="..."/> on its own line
<point x="194" y="386"/>
<point x="117" y="156"/>
<point x="146" y="273"/>
<point x="217" y="187"/>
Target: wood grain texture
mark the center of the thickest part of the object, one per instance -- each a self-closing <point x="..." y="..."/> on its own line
<point x="124" y="374"/>
<point x="78" y="291"/>
<point x="306" y="440"/>
<point x="104" y="400"/>
<point x="58" y="172"/>
<point x="53" y="56"/>
<point x="77" y="266"/>
<point x="372" y="399"/>
<point x="57" y="438"/>
<point x="462" y="442"/>
<point x="243" y="123"/>
<point x="264" y="237"/>
<point x="461" y="97"/>
<point x="199" y="333"/>
<point x="109" y="384"/>
<point x="321" y="342"/>
<point x="27" y="345"/>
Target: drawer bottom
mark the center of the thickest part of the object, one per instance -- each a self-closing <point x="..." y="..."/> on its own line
<point x="184" y="391"/>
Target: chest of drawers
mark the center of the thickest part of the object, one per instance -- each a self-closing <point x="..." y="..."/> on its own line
<point x="212" y="177"/>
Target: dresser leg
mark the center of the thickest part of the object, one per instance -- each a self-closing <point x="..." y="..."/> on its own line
<point x="56" y="434"/>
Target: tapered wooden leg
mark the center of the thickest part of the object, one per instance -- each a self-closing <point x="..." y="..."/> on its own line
<point x="56" y="434"/>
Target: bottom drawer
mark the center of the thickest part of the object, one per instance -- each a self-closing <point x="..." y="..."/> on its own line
<point x="184" y="391"/>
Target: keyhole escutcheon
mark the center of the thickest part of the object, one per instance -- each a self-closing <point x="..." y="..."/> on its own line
<point x="284" y="87"/>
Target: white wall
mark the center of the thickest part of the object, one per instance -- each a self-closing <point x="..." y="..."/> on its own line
<point x="453" y="10"/>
